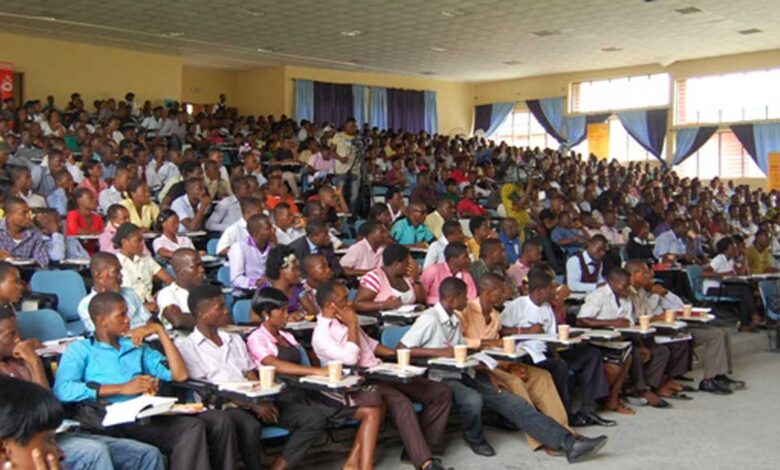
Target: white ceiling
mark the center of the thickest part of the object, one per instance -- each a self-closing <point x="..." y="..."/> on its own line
<point x="465" y="40"/>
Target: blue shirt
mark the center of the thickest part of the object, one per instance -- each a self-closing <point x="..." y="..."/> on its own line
<point x="60" y="248"/>
<point x="89" y="360"/>
<point x="404" y="233"/>
<point x="669" y="243"/>
<point x="562" y="233"/>
<point x="58" y="200"/>
<point x="512" y="248"/>
<point x="136" y="311"/>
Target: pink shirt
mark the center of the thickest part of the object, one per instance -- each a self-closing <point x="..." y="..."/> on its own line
<point x="104" y="240"/>
<point x="362" y="256"/>
<point x="377" y="281"/>
<point x="261" y="344"/>
<point x="517" y="272"/>
<point x="86" y="183"/>
<point x="433" y="275"/>
<point x="330" y="343"/>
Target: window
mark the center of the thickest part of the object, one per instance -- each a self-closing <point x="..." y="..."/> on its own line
<point x="623" y="147"/>
<point x="721" y="156"/>
<point x="521" y="129"/>
<point x="734" y="97"/>
<point x="643" y="91"/>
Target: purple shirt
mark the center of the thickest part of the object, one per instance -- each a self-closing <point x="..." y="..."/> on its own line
<point x="247" y="264"/>
<point x="30" y="246"/>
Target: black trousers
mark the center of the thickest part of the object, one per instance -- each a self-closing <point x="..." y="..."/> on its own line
<point x="247" y="438"/>
<point x="742" y="291"/>
<point x="304" y="419"/>
<point x="588" y="364"/>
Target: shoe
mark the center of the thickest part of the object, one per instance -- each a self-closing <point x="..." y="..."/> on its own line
<point x="436" y="465"/>
<point x="482" y="448"/>
<point x="712" y="386"/>
<point x="662" y="404"/>
<point x="584" y="447"/>
<point x="596" y="419"/>
<point x="579" y="420"/>
<point x="636" y="401"/>
<point x="733" y="384"/>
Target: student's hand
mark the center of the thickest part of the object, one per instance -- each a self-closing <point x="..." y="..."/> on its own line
<point x="391" y="303"/>
<point x="266" y="412"/>
<point x="413" y="270"/>
<point x="296" y="316"/>
<point x="498" y="384"/>
<point x="563" y="292"/>
<point x="658" y="289"/>
<point x="141" y="384"/>
<point x="534" y="329"/>
<point x="25" y="351"/>
<point x="138" y="334"/>
<point x="4" y="254"/>
<point x="205" y="201"/>
<point x="347" y="316"/>
<point x="520" y="370"/>
<point x="645" y="353"/>
<point x="621" y="323"/>
<point x="50" y="461"/>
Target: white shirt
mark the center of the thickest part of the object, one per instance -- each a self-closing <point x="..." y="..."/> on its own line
<point x="155" y="178"/>
<point x="164" y="242"/>
<point x="234" y="234"/>
<point x="285" y="237"/>
<point x="602" y="304"/>
<point x="109" y="197"/>
<point x="523" y="313"/>
<point x="435" y="253"/>
<point x="183" y="209"/>
<point x="719" y="264"/>
<point x="173" y="294"/>
<point x="574" y="274"/>
<point x="214" y="364"/>
<point x="138" y="274"/>
<point x="226" y="212"/>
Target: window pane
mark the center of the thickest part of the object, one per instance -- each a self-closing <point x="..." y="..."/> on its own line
<point x="622" y="93"/>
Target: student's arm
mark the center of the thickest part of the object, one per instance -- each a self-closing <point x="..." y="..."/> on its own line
<point x="289" y="368"/>
<point x="196" y="221"/>
<point x="215" y="221"/>
<point x="177" y="318"/>
<point x="163" y="276"/>
<point x="178" y="371"/>
<point x="25" y="351"/>
<point x="364" y="301"/>
<point x="418" y="336"/>
<point x="428" y="352"/>
<point x="574" y="277"/>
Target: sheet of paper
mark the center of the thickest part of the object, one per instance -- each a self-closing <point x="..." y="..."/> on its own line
<point x="485" y="359"/>
<point x="536" y="356"/>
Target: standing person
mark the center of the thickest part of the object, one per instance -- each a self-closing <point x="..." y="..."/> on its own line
<point x="435" y="333"/>
<point x="338" y="337"/>
<point x="347" y="169"/>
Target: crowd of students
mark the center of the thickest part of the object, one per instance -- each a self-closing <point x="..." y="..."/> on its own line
<point x="508" y="234"/>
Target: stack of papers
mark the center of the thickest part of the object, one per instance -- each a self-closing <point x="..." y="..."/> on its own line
<point x="249" y="389"/>
<point x="140" y="407"/>
<point x="395" y="369"/>
<point x="402" y="311"/>
<point x="450" y="362"/>
<point x="346" y="382"/>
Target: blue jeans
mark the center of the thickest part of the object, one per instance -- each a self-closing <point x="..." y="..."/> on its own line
<point x="97" y="452"/>
<point x="471" y="395"/>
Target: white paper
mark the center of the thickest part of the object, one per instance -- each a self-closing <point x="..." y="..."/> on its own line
<point x="671" y="339"/>
<point x="536" y="356"/>
<point x="485" y="359"/>
<point x="128" y="411"/>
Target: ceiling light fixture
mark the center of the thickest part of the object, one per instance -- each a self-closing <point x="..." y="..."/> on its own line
<point x="453" y="13"/>
<point x="174" y="34"/>
<point x="253" y="13"/>
<point x="746" y="32"/>
<point x="611" y="49"/>
<point x="545" y="33"/>
<point x="266" y="50"/>
<point x="688" y="10"/>
<point x="437" y="49"/>
<point x="511" y="62"/>
<point x="352" y="34"/>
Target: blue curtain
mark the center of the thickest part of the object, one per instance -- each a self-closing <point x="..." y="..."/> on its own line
<point x="577" y="127"/>
<point x="377" y="107"/>
<point x="648" y="128"/>
<point x="359" y="104"/>
<point x="553" y="111"/>
<point x="431" y="113"/>
<point x="689" y="140"/>
<point x="482" y="115"/>
<point x="304" y="100"/>
<point x="767" y="138"/>
<point x="535" y="107"/>
<point x="746" y="137"/>
<point x="498" y="113"/>
<point x="405" y="110"/>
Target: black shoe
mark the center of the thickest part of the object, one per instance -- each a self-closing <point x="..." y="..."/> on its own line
<point x="732" y="384"/>
<point x="712" y="386"/>
<point x="579" y="420"/>
<point x="594" y="418"/>
<point x="436" y="465"/>
<point x="482" y="448"/>
<point x="584" y="447"/>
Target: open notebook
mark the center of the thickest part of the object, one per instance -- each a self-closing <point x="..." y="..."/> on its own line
<point x="143" y="406"/>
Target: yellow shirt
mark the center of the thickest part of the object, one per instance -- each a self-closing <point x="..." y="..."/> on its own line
<point x="758" y="262"/>
<point x="521" y="216"/>
<point x="473" y="246"/>
<point x="148" y="214"/>
<point x="435" y="222"/>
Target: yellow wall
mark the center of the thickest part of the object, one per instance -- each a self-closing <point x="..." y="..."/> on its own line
<point x="204" y="85"/>
<point x="261" y="91"/>
<point x="60" y="68"/>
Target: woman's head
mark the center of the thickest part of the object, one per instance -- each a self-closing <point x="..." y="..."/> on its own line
<point x="168" y="221"/>
<point x="29" y="415"/>
<point x="395" y="259"/>
<point x="129" y="239"/>
<point x="92" y="169"/>
<point x="283" y="265"/>
<point x="138" y="191"/>
<point x="9" y="335"/>
<point x="726" y="246"/>
<point x="11" y="284"/>
<point x="270" y="304"/>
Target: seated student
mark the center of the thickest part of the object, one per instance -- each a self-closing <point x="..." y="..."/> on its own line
<point x="93" y="178"/>
<point x="12" y="287"/>
<point x="138" y="270"/>
<point x="113" y="368"/>
<point x="216" y="185"/>
<point x="192" y="206"/>
<point x="532" y="254"/>
<point x="673" y="245"/>
<point x="228" y="210"/>
<point x="83" y="220"/>
<point x="759" y="254"/>
<point x="58" y="198"/>
<point x="480" y="326"/>
<point x="106" y="273"/>
<point x="653" y="299"/>
<point x="434" y="222"/>
<point x="395" y="176"/>
<point x="338" y="337"/>
<point x="161" y="168"/>
<point x="480" y="231"/>
<point x="424" y="192"/>
<point x="214" y="356"/>
<point x="18" y="359"/>
<point x="411" y="230"/>
<point x="366" y="255"/>
<point x="19" y="238"/>
<point x="288" y="227"/>
<point x="638" y="246"/>
<point x="468" y="207"/>
<point x="568" y="236"/>
<point x="21" y="187"/>
<point x="610" y="306"/>
<point x="175" y="187"/>
<point x="456" y="264"/>
<point x="315" y="271"/>
<point x="395" y="284"/>
<point x="58" y="247"/>
<point x="584" y="269"/>
<point x="510" y="237"/>
<point x="452" y="233"/>
<point x="247" y="259"/>
<point x="395" y="206"/>
<point x="333" y="203"/>
<point x="492" y="259"/>
<point x="317" y="241"/>
<point x="305" y="413"/>
<point x="283" y="272"/>
<point x="169" y="239"/>
<point x="534" y="314"/>
<point x="116" y="216"/>
<point x="435" y="333"/>
<point x="172" y="299"/>
<point x="143" y="212"/>
<point x="115" y="194"/>
<point x="237" y="232"/>
<point x="277" y="192"/>
<point x="724" y="265"/>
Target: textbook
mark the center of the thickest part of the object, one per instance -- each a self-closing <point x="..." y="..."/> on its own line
<point x="140" y="407"/>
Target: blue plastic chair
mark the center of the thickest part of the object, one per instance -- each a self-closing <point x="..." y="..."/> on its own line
<point x="241" y="311"/>
<point x="768" y="291"/>
<point x="223" y="275"/>
<point x="273" y="432"/>
<point x="391" y="336"/>
<point x="694" y="274"/>
<point x="211" y="247"/>
<point x="69" y="288"/>
<point x="43" y="325"/>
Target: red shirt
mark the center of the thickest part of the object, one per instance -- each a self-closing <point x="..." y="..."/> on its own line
<point x="75" y="222"/>
<point x="271" y="201"/>
<point x="468" y="208"/>
<point x="459" y="176"/>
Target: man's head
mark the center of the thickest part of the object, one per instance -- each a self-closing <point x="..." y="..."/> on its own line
<point x="761" y="240"/>
<point x="416" y="213"/>
<point x="117" y="215"/>
<point x="445" y="208"/>
<point x="641" y="275"/>
<point x="195" y="188"/>
<point x="316" y="269"/>
<point x="597" y="247"/>
<point x="457" y="257"/>
<point x="250" y="207"/>
<point x="491" y="288"/>
<point x="510" y="229"/>
<point x="187" y="265"/>
<point x="619" y="281"/>
<point x="11" y="284"/>
<point x="283" y="216"/>
<point x="376" y="234"/>
<point x="453" y="232"/>
<point x="479" y="227"/>
<point x="260" y="229"/>
<point x="395" y="197"/>
<point x="532" y="252"/>
<point x="108" y="312"/>
<point x="680" y="227"/>
<point x="17" y="214"/>
<point x="207" y="305"/>
<point x="21" y="178"/>
<point x="85" y="199"/>
<point x="492" y="253"/>
<point x="453" y="294"/>
<point x="317" y="232"/>
<point x="541" y="287"/>
<point x="332" y="296"/>
<point x="106" y="272"/>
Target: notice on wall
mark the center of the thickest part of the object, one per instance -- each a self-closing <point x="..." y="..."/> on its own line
<point x="6" y="80"/>
<point x="773" y="170"/>
<point x="598" y="140"/>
